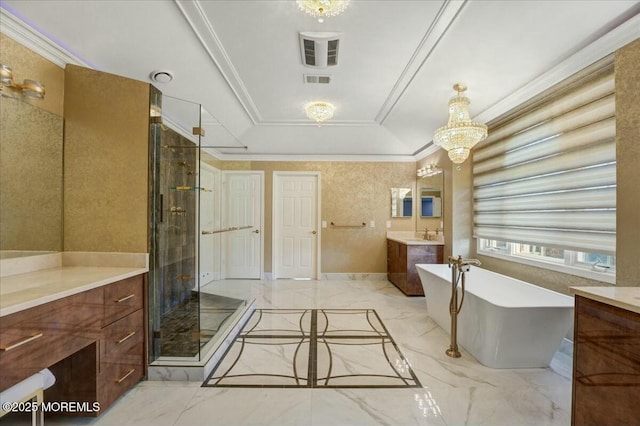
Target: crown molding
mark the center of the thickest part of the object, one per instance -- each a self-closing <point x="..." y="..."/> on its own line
<point x="600" y="48"/>
<point x="15" y="28"/>
<point x="302" y="157"/>
<point x="202" y="28"/>
<point x="447" y="14"/>
<point x="330" y="123"/>
<point x="431" y="149"/>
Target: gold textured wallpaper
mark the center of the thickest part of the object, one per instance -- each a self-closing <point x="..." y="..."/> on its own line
<point x="31" y="155"/>
<point x="30" y="177"/>
<point x="352" y="192"/>
<point x="105" y="162"/>
<point x="627" y="69"/>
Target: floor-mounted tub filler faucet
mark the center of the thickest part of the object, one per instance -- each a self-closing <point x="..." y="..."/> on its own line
<point x="459" y="267"/>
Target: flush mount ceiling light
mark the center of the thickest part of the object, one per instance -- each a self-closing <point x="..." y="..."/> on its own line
<point x="29" y="88"/>
<point x="319" y="111"/>
<point x="460" y="134"/>
<point x="321" y="8"/>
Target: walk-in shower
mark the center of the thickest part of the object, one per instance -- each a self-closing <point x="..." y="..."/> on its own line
<point x="186" y="320"/>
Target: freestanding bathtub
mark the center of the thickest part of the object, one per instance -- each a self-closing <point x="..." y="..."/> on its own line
<point x="504" y="322"/>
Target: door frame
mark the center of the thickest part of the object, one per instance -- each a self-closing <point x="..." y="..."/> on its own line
<point x="216" y="274"/>
<point x="275" y="213"/>
<point x="223" y="207"/>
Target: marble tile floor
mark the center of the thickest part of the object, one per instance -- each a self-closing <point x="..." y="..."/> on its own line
<point x="314" y="348"/>
<point x="454" y="391"/>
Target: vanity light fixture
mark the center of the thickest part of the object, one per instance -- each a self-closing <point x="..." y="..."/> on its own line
<point x="29" y="88"/>
<point x="321" y="8"/>
<point x="319" y="111"/>
<point x="460" y="134"/>
<point x="429" y="170"/>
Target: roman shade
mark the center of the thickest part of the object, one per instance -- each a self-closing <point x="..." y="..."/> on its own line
<point x="546" y="175"/>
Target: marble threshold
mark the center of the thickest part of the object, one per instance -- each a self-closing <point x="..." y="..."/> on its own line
<point x="198" y="368"/>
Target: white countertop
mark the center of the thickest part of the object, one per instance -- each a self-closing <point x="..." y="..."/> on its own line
<point x="409" y="238"/>
<point x="71" y="273"/>
<point x="622" y="297"/>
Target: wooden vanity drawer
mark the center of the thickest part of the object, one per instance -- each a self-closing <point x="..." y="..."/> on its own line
<point x="124" y="339"/>
<point x="39" y="337"/>
<point x="122" y="298"/>
<point x="116" y="379"/>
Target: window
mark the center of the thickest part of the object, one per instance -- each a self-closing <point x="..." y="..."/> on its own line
<point x="545" y="179"/>
<point x="597" y="266"/>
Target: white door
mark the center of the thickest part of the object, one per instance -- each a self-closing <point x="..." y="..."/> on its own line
<point x="242" y="201"/>
<point x="296" y="238"/>
<point x="210" y="221"/>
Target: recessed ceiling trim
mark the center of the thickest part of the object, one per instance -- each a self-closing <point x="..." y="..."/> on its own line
<point x="600" y="48"/>
<point x="202" y="28"/>
<point x="380" y="158"/>
<point x="333" y="122"/>
<point x="605" y="45"/>
<point x="20" y="31"/>
<point x="447" y="14"/>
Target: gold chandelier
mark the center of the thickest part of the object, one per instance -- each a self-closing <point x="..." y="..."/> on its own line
<point x="319" y="111"/>
<point x="321" y="8"/>
<point x="460" y="134"/>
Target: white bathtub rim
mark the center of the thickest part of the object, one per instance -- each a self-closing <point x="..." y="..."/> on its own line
<point x="443" y="272"/>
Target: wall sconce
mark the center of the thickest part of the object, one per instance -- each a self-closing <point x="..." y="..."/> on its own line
<point x="429" y="170"/>
<point x="8" y="88"/>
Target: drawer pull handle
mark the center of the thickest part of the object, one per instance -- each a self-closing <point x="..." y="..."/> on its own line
<point x="121" y="379"/>
<point x="126" y="337"/>
<point x="27" y="340"/>
<point x="125" y="298"/>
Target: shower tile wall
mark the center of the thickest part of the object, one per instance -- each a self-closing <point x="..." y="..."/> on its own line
<point x="177" y="230"/>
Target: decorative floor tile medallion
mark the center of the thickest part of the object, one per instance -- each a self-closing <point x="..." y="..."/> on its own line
<point x="314" y="348"/>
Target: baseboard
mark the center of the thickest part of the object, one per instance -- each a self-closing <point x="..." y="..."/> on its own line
<point x="372" y="276"/>
<point x="342" y="276"/>
<point x="562" y="361"/>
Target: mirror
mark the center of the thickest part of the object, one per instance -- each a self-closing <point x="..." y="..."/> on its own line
<point x="401" y="202"/>
<point x="430" y="202"/>
<point x="30" y="179"/>
<point x="430" y="209"/>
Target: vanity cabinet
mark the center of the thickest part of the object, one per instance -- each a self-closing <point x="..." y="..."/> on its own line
<point x="401" y="264"/>
<point x="92" y="341"/>
<point x="122" y="343"/>
<point x="39" y="337"/>
<point x="606" y="365"/>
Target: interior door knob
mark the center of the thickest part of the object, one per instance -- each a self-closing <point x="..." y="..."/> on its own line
<point x="257" y="231"/>
<point x="314" y="232"/>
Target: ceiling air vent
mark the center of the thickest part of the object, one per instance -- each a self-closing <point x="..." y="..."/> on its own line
<point x="320" y="50"/>
<point x="317" y="79"/>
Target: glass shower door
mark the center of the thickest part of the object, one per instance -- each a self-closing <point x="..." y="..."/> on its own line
<point x="187" y="313"/>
